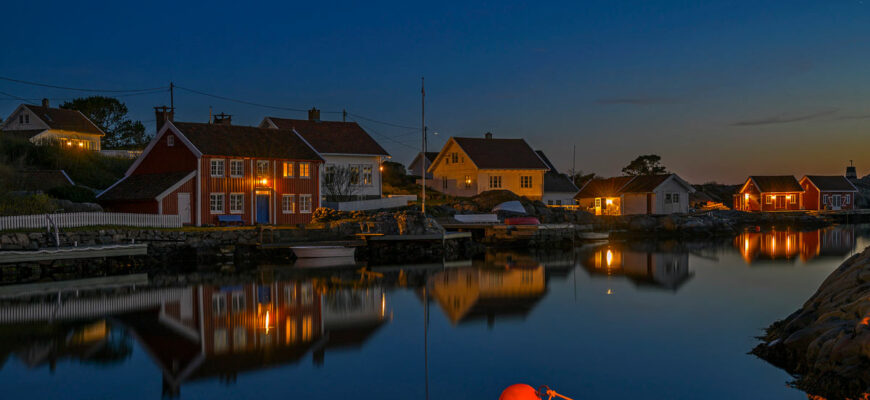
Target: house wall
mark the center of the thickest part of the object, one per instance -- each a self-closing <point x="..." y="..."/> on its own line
<point x="812" y="198"/>
<point x="416" y="168"/>
<point x="33" y="123"/>
<point x="169" y="204"/>
<point x="364" y="191"/>
<point x="558" y="198"/>
<point x="636" y="203"/>
<point x="848" y="206"/>
<point x="449" y="177"/>
<point x="75" y="140"/>
<point x="671" y="186"/>
<point x="788" y="206"/>
<point x="165" y="158"/>
<point x="511" y="181"/>
<point x="752" y="204"/>
<point x="249" y="185"/>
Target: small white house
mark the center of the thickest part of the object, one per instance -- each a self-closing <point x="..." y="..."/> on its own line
<point x="627" y="195"/>
<point x="421" y="163"/>
<point x="340" y="144"/>
<point x="43" y="125"/>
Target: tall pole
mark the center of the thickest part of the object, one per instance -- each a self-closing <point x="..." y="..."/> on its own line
<point x="172" y="95"/>
<point x="423" y="132"/>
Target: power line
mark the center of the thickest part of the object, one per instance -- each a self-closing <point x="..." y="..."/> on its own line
<point x="78" y="89"/>
<point x="383" y="122"/>
<point x="385" y="136"/>
<point x="251" y="103"/>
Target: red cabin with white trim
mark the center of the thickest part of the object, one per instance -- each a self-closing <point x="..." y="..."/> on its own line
<point x="828" y="192"/>
<point x="769" y="193"/>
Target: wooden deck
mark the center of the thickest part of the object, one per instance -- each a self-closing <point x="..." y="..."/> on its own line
<point x="72" y="253"/>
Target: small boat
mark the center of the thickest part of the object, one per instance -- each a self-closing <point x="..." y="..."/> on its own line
<point x="322" y="251"/>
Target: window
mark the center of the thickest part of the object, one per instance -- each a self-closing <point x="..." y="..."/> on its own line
<point x="217" y="168"/>
<point x="21" y="118"/>
<point x="454" y="157"/>
<point x="218" y="304"/>
<point x="305" y="203"/>
<point x="216" y="203"/>
<point x="549" y="202"/>
<point x="597" y="202"/>
<point x="675" y="198"/>
<point x="667" y="198"/>
<point x="495" y="181"/>
<point x="170" y="140"/>
<point x="846" y="199"/>
<point x="220" y="340"/>
<point x="467" y="181"/>
<point x="307" y="294"/>
<point x="288" y="203"/>
<point x="288" y="169"/>
<point x="262" y="167"/>
<point x="367" y="175"/>
<point x="290" y="294"/>
<point x="307" y="328"/>
<point x="793" y="199"/>
<point x="237" y="203"/>
<point x="26" y="118"/>
<point x="304" y="170"/>
<point x="444" y="184"/>
<point x="240" y="338"/>
<point x="558" y="202"/>
<point x="237" y="168"/>
<point x="354" y="174"/>
<point x="525" y="182"/>
<point x="238" y="302"/>
<point x="824" y="199"/>
<point x="768" y="200"/>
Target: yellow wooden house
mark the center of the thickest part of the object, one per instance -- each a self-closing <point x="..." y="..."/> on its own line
<point x="469" y="166"/>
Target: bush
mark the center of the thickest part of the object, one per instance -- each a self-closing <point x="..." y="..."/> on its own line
<point x="11" y="204"/>
<point x="76" y="194"/>
<point x="85" y="167"/>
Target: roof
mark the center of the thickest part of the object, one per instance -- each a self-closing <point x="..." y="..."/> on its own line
<point x="555" y="182"/>
<point x="832" y="183"/>
<point x="644" y="183"/>
<point x="500" y="153"/>
<point x="546" y="161"/>
<point x="776" y="183"/>
<point x="40" y="179"/>
<point x="246" y="141"/>
<point x="25" y="134"/>
<point x="142" y="186"/>
<point x="333" y="137"/>
<point x="601" y="187"/>
<point x="65" y="120"/>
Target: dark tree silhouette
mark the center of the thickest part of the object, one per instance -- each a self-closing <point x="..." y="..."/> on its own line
<point x="110" y="115"/>
<point x="645" y="165"/>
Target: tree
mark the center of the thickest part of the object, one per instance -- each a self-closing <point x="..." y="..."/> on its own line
<point x="580" y="178"/>
<point x="110" y="115"/>
<point x="645" y="165"/>
<point x="340" y="182"/>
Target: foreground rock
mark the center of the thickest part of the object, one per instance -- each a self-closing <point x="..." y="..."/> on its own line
<point x="826" y="343"/>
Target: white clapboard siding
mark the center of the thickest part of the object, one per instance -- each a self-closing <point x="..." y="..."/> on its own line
<point x="81" y="219"/>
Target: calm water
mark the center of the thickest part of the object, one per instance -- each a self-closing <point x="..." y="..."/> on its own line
<point x="664" y="320"/>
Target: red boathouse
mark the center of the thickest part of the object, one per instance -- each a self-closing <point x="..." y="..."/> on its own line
<point x="204" y="171"/>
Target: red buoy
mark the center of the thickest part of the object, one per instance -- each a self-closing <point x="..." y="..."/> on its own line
<point x="519" y="391"/>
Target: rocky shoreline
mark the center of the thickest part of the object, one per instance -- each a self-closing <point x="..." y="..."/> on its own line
<point x="826" y="343"/>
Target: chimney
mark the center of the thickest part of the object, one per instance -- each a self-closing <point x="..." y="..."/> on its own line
<point x="850" y="171"/>
<point x="163" y="114"/>
<point x="488" y="135"/>
<point x="45" y="103"/>
<point x="313" y="114"/>
<point x="223" y="119"/>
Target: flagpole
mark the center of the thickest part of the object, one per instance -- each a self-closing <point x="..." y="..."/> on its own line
<point x="423" y="133"/>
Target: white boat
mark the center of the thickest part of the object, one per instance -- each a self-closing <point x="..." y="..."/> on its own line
<point x="322" y="251"/>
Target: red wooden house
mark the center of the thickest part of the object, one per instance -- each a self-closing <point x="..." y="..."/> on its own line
<point x="828" y="192"/>
<point x="769" y="193"/>
<point x="204" y="171"/>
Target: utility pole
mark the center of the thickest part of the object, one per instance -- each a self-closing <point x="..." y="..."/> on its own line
<point x="172" y="95"/>
<point x="423" y="132"/>
<point x="344" y="115"/>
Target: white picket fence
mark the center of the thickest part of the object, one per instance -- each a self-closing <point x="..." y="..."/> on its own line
<point x="80" y="219"/>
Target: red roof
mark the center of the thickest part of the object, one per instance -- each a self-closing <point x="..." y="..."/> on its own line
<point x="500" y="153"/>
<point x="246" y="141"/>
<point x="333" y="137"/>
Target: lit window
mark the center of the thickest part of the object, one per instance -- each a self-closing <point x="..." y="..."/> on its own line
<point x="495" y="182"/>
<point x="525" y="182"/>
<point x="307" y="328"/>
<point x="288" y="169"/>
<point x="768" y="200"/>
<point x="216" y="203"/>
<point x="262" y="167"/>
<point x="288" y="203"/>
<point x="793" y="199"/>
<point x="170" y="140"/>
<point x="467" y="181"/>
<point x="217" y="168"/>
<point x="304" y="170"/>
<point x="354" y="174"/>
<point x="237" y="168"/>
<point x="237" y="203"/>
<point x="305" y="204"/>
<point x="367" y="175"/>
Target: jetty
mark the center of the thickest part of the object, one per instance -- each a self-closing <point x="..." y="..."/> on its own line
<point x="71" y="253"/>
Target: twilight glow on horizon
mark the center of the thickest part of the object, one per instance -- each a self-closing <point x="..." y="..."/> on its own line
<point x="720" y="90"/>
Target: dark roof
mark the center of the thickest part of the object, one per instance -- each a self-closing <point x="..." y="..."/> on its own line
<point x="333" y="137"/>
<point x="246" y="141"/>
<point x="546" y="161"/>
<point x="142" y="186"/>
<point x="555" y="182"/>
<point x="601" y="187"/>
<point x="67" y="120"/>
<point x="835" y="183"/>
<point x="500" y="153"/>
<point x="40" y="179"/>
<point x="644" y="183"/>
<point x="776" y="183"/>
<point x="431" y="155"/>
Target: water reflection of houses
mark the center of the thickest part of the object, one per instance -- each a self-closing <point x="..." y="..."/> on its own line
<point x="207" y="331"/>
<point x="505" y="285"/>
<point x="664" y="270"/>
<point x="789" y="245"/>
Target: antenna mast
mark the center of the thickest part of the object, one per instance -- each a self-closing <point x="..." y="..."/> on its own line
<point x="423" y="133"/>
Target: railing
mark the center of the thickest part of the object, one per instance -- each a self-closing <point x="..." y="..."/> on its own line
<point x="81" y="219"/>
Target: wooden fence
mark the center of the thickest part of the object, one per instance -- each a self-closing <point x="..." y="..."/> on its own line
<point x="81" y="219"/>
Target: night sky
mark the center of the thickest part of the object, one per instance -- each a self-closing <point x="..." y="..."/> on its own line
<point x="720" y="90"/>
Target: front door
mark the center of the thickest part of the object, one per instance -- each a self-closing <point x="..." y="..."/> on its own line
<point x="836" y="202"/>
<point x="184" y="207"/>
<point x="262" y="208"/>
<point x="780" y="202"/>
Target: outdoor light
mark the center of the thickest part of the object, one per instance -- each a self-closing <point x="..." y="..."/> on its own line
<point x="608" y="202"/>
<point x="264" y="181"/>
<point x="609" y="258"/>
<point x="81" y="144"/>
<point x="746" y="196"/>
<point x="467" y="181"/>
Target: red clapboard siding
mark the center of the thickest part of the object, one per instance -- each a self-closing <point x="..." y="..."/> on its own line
<point x="811" y="195"/>
<point x="137" y="207"/>
<point x="170" y="202"/>
<point x="163" y="158"/>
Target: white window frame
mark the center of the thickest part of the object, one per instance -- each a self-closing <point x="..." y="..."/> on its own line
<point x="305" y="170"/>
<point x="793" y="199"/>
<point x="846" y="199"/>
<point x="355" y="174"/>
<point x="366" y="175"/>
<point x="211" y="202"/>
<point x="233" y="170"/>
<point x="268" y="165"/>
<point x="218" y="304"/>
<point x="170" y="140"/>
<point x="768" y="199"/>
<point x="824" y="199"/>
<point x="215" y="164"/>
<point x="288" y="200"/>
<point x="238" y="302"/>
<point x="288" y="169"/>
<point x="241" y="208"/>
<point x="302" y="203"/>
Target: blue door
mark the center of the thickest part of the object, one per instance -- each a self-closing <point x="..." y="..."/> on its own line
<point x="262" y="208"/>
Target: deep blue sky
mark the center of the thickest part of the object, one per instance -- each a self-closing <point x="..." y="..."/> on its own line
<point x="719" y="90"/>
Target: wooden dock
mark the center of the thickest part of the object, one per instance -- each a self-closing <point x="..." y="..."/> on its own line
<point x="72" y="253"/>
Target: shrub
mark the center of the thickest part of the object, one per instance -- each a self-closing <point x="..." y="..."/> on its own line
<point x="77" y="194"/>
<point x="11" y="204"/>
<point x="85" y="167"/>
